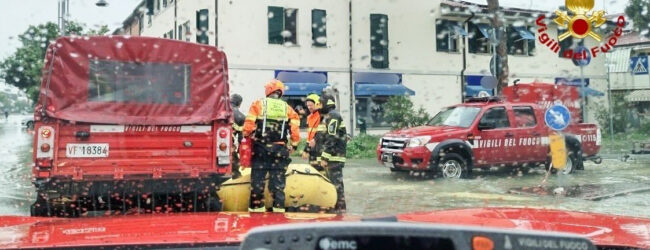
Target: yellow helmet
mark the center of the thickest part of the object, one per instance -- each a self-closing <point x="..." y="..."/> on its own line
<point x="314" y="98"/>
<point x="274" y="85"/>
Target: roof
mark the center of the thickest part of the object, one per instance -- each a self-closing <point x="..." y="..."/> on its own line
<point x="509" y="11"/>
<point x="619" y="60"/>
<point x="632" y="38"/>
<point x="641" y="95"/>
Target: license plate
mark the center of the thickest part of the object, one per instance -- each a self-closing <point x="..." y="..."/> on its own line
<point x="86" y="150"/>
<point x="387" y="158"/>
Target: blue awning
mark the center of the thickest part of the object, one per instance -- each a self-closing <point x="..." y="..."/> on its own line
<point x="485" y="29"/>
<point x="379" y="89"/>
<point x="459" y="30"/>
<point x="524" y="33"/>
<point x="587" y="91"/>
<point x="303" y="88"/>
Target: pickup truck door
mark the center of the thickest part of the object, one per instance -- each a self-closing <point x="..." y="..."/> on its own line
<point x="492" y="131"/>
<point x="528" y="132"/>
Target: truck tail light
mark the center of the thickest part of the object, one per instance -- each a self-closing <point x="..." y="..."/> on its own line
<point x="45" y="142"/>
<point x="223" y="146"/>
<point x="45" y="147"/>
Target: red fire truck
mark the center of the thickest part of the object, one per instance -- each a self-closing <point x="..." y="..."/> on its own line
<point x="486" y="132"/>
<point x="130" y="123"/>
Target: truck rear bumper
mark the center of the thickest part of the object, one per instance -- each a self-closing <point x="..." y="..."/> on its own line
<point x="88" y="187"/>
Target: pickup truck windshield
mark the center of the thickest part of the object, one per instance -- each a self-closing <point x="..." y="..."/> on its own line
<point x="456" y="116"/>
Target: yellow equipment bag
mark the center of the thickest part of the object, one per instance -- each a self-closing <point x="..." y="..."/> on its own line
<point x="304" y="186"/>
<point x="558" y="150"/>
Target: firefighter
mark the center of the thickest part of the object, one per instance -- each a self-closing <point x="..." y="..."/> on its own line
<point x="237" y="127"/>
<point x="332" y="140"/>
<point x="313" y="122"/>
<point x="274" y="128"/>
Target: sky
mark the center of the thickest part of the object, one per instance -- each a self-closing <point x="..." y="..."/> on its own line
<point x="17" y="15"/>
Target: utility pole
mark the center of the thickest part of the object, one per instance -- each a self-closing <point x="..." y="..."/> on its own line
<point x="501" y="49"/>
<point x="64" y="12"/>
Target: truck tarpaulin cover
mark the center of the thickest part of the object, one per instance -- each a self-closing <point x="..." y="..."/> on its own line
<point x="545" y="95"/>
<point x="134" y="80"/>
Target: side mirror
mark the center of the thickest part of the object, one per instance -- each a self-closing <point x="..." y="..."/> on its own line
<point x="486" y="125"/>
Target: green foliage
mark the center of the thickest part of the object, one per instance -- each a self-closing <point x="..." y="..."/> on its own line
<point x="621" y="118"/>
<point x="400" y="113"/>
<point x="637" y="10"/>
<point x="362" y="146"/>
<point x="23" y="68"/>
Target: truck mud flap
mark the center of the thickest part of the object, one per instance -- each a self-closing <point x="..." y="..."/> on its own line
<point x="77" y="199"/>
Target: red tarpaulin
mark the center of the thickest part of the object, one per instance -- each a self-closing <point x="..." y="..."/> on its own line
<point x="546" y="94"/>
<point x="134" y="80"/>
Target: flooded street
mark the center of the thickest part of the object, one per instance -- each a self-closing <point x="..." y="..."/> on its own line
<point x="372" y="190"/>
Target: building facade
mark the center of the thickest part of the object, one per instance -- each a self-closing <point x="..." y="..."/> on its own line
<point x="367" y="50"/>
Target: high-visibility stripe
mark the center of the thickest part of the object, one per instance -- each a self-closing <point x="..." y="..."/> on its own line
<point x="325" y="155"/>
<point x="237" y="127"/>
<point x="251" y="117"/>
<point x="295" y="122"/>
<point x="337" y="158"/>
<point x="257" y="210"/>
<point x="321" y="128"/>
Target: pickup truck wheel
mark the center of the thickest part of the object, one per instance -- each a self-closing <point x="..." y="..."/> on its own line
<point x="571" y="164"/>
<point x="453" y="166"/>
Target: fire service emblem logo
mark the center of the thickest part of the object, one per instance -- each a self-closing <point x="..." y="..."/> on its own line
<point x="579" y="22"/>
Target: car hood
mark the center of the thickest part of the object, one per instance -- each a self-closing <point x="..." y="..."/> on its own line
<point x="424" y="130"/>
<point x="226" y="228"/>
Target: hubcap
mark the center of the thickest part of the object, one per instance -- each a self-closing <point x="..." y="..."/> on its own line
<point x="451" y="169"/>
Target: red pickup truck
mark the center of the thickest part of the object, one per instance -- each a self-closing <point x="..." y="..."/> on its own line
<point x="483" y="133"/>
<point x="130" y="122"/>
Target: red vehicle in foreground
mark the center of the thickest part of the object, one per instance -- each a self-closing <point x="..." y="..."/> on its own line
<point x="476" y="134"/>
<point x="125" y="123"/>
<point x="473" y="228"/>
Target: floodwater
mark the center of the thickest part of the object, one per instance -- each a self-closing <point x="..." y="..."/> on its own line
<point x="372" y="190"/>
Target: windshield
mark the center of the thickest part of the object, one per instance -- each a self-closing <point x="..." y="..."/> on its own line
<point x="252" y="113"/>
<point x="456" y="116"/>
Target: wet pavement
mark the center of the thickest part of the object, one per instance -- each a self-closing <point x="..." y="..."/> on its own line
<point x="372" y="190"/>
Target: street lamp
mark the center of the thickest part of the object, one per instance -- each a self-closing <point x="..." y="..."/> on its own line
<point x="101" y="3"/>
<point x="64" y="13"/>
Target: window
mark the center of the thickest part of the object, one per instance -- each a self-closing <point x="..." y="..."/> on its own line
<point x="446" y="39"/>
<point x="170" y="34"/>
<point x="202" y="26"/>
<point x="164" y="4"/>
<point x="456" y="116"/>
<point x="298" y="105"/>
<point x="140" y="24"/>
<point x="318" y="28"/>
<point x="180" y="32"/>
<point x="478" y="41"/>
<point x="524" y="117"/>
<point x="370" y="111"/>
<point x="157" y="7"/>
<point x="114" y="81"/>
<point x="496" y="118"/>
<point x="519" y="44"/>
<point x="188" y="32"/>
<point x="282" y="25"/>
<point x="379" y="41"/>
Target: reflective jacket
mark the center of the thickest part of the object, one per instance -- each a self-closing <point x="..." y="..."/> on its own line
<point x="332" y="138"/>
<point x="272" y="121"/>
<point x="313" y="123"/>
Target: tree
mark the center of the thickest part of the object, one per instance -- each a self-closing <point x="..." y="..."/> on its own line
<point x="23" y="68"/>
<point x="502" y="50"/>
<point x="637" y="10"/>
<point x="400" y="113"/>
